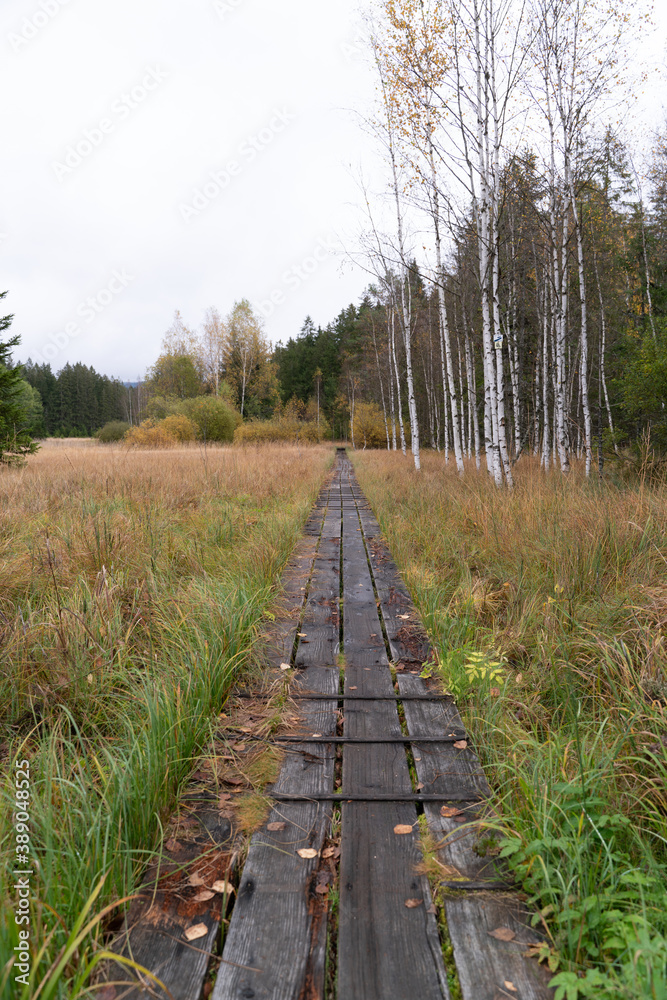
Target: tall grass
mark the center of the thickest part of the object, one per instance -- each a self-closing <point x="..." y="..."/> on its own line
<point x="133" y="587"/>
<point x="547" y="608"/>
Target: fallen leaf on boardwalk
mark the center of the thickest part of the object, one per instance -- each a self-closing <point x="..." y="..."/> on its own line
<point x="173" y="845"/>
<point x="461" y="744"/>
<point x="302" y="635"/>
<point x="196" y="932"/>
<point x="202" y="896"/>
<point x="316" y="734"/>
<point x="412" y="903"/>
<point x="274" y="827"/>
<point x="432" y="908"/>
<point x="328" y="852"/>
<point x="510" y="986"/>
<point x="196" y="880"/>
<point x="222" y="886"/>
<point x="307" y="852"/>
<point x="108" y="993"/>
<point x="503" y="934"/>
<point x="353" y="687"/>
<point x="403" y="616"/>
<point x="449" y="811"/>
<point x="403" y="828"/>
<point x="285" y="666"/>
<point x="322" y="889"/>
<point x="420" y="786"/>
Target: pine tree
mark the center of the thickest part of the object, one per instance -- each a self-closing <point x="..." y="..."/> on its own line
<point x="14" y="444"/>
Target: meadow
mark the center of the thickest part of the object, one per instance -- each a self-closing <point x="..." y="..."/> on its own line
<point x="547" y="608"/>
<point x="133" y="586"/>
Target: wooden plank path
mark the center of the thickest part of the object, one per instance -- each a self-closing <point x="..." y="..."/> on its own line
<point x="350" y="609"/>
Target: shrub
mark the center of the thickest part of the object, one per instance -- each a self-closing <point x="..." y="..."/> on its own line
<point x="215" y="419"/>
<point x="179" y="427"/>
<point x="166" y="433"/>
<point x="113" y="430"/>
<point x="369" y="428"/>
<point x="283" y="428"/>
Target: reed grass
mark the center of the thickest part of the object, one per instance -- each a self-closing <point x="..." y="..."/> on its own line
<point x="133" y="586"/>
<point x="547" y="608"/>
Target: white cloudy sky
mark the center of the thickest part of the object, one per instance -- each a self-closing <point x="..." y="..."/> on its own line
<point x="159" y="95"/>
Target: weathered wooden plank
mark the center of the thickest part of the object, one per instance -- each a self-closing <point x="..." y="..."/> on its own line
<point x="385" y="948"/>
<point x="274" y="946"/>
<point x="320" y="642"/>
<point x="484" y="964"/>
<point x="154" y="931"/>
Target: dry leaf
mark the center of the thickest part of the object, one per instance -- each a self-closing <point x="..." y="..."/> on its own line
<point x="503" y="934"/>
<point x="196" y="932"/>
<point x="316" y="734"/>
<point x="223" y="799"/>
<point x="412" y="903"/>
<point x="352" y="688"/>
<point x="108" y="993"/>
<point x="449" y="811"/>
<point x="307" y="852"/>
<point x="222" y="886"/>
<point x="285" y="666"/>
<point x="328" y="852"/>
<point x="274" y="827"/>
<point x="245" y="729"/>
<point x="196" y="880"/>
<point x="202" y="896"/>
<point x="518" y="678"/>
<point x="322" y="889"/>
<point x="420" y="786"/>
<point x="510" y="986"/>
<point x="432" y="908"/>
<point x="403" y="616"/>
<point x="403" y="828"/>
<point x="89" y="678"/>
<point x="239" y="781"/>
<point x="302" y="635"/>
<point x="461" y="744"/>
<point x="172" y="845"/>
<point x="495" y="692"/>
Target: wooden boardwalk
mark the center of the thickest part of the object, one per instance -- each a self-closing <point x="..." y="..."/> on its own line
<point x="357" y="650"/>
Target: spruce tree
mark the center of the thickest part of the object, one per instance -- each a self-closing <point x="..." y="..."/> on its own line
<point x="14" y="444"/>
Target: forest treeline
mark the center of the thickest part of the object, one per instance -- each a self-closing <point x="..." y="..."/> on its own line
<point x="541" y="324"/>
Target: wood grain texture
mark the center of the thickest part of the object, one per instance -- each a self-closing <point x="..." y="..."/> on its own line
<point x="485" y="964"/>
<point x="154" y="931"/>
<point x="385" y="949"/>
<point x="275" y="926"/>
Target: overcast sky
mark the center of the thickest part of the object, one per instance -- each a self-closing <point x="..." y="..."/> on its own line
<point x="161" y="155"/>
